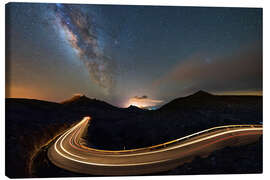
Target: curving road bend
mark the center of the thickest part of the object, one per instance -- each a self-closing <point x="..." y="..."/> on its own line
<point x="68" y="151"/>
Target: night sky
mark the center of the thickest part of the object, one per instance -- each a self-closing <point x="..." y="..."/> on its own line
<point x="140" y="55"/>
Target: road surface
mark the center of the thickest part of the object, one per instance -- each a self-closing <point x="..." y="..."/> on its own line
<point x="70" y="153"/>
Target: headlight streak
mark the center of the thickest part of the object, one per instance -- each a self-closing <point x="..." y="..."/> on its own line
<point x="63" y="137"/>
<point x="77" y="128"/>
<point x="173" y="141"/>
<point x="170" y="142"/>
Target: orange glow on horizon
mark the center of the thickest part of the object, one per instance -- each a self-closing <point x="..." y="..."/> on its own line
<point x="22" y="92"/>
<point x="142" y="103"/>
<point x="37" y="93"/>
<point x="240" y="93"/>
<point x="30" y="93"/>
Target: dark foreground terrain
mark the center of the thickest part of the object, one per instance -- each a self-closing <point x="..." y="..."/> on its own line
<point x="175" y="119"/>
<point x="30" y="124"/>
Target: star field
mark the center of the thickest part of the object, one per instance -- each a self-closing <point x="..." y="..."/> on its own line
<point x="115" y="53"/>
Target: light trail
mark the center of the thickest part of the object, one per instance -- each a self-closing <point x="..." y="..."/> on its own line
<point x="67" y="150"/>
<point x="173" y="141"/>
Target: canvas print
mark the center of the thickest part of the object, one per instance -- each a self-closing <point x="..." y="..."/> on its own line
<point x="125" y="90"/>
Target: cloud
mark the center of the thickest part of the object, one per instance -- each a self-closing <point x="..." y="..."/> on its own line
<point x="239" y="71"/>
<point x="81" y="34"/>
<point x="143" y="101"/>
<point x="140" y="97"/>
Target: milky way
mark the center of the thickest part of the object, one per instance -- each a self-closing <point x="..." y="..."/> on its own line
<point x="120" y="53"/>
<point x="80" y="32"/>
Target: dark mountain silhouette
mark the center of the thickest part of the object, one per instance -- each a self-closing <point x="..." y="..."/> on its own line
<point x="204" y="100"/>
<point x="175" y="119"/>
<point x="73" y="98"/>
<point x="94" y="108"/>
<point x="31" y="123"/>
<point x="83" y="101"/>
<point x="201" y="94"/>
<point x="132" y="108"/>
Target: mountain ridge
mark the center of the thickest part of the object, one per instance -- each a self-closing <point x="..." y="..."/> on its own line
<point x="82" y="100"/>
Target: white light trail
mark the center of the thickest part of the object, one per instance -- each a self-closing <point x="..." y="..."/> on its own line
<point x="74" y="157"/>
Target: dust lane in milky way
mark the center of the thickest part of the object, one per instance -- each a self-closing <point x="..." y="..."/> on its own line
<point x="80" y="32"/>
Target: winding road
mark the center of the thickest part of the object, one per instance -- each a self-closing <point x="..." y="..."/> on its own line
<point x="70" y="153"/>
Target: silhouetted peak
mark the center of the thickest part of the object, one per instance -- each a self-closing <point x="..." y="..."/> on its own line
<point x="201" y="94"/>
<point x="133" y="107"/>
<point x="86" y="102"/>
<point x="74" y="98"/>
<point x="80" y="98"/>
